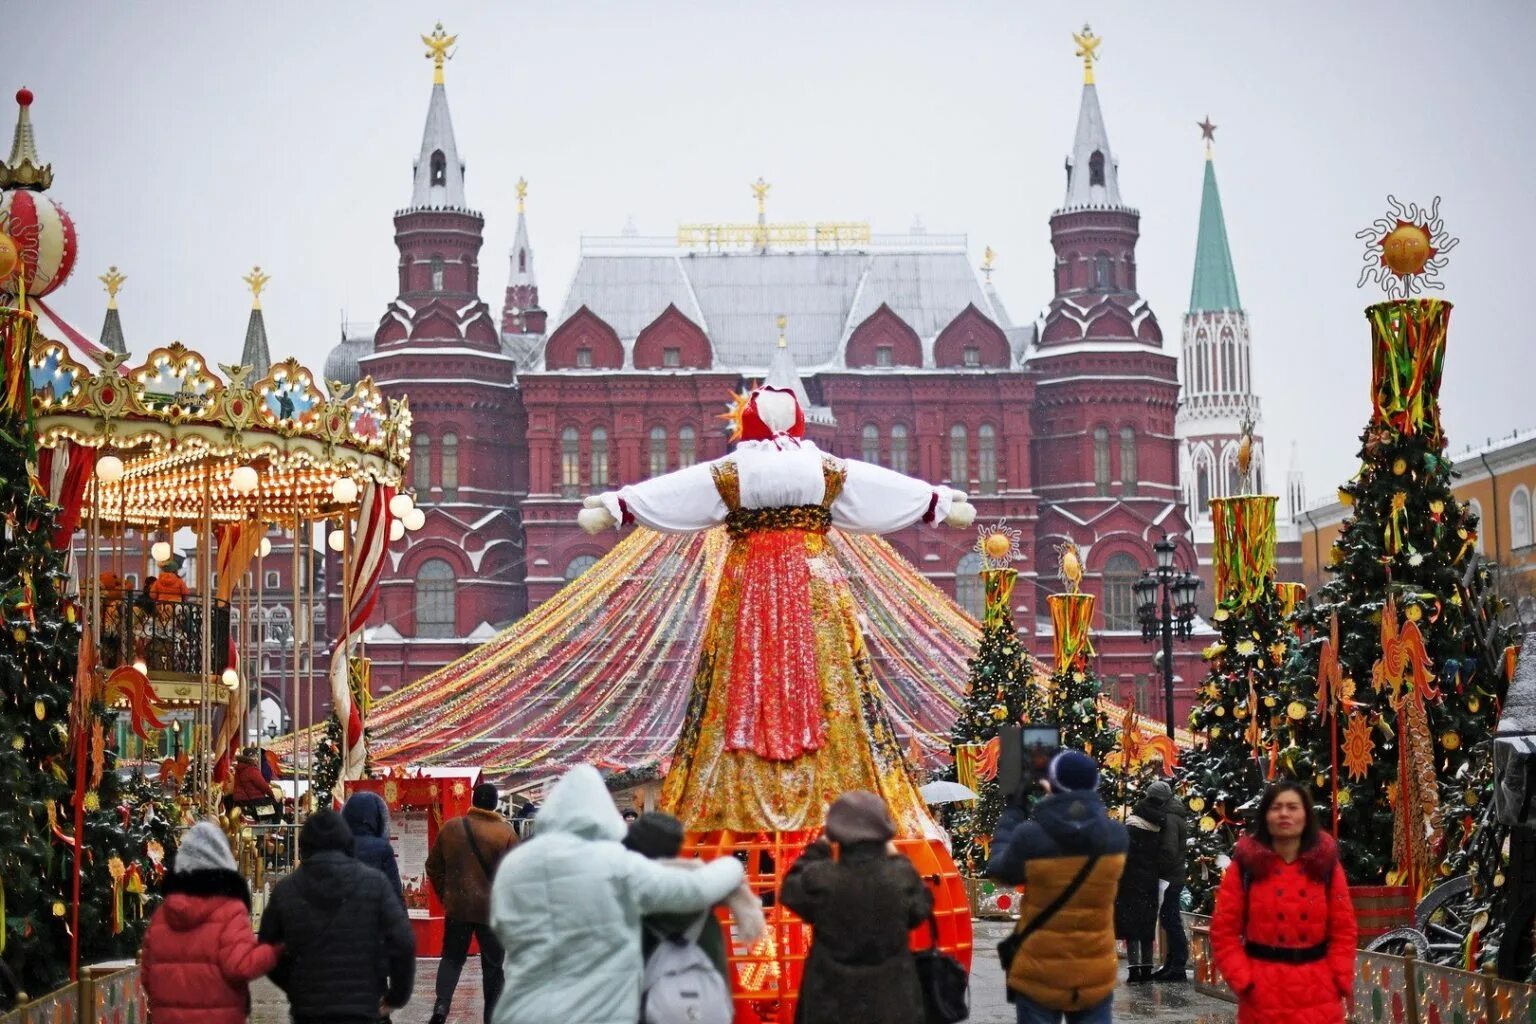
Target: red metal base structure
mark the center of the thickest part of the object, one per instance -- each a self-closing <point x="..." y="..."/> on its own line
<point x="765" y="979"/>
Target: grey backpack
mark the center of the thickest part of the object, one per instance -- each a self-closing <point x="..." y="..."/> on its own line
<point x="681" y="985"/>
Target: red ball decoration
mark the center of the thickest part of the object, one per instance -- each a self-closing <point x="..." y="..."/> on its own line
<point x="1004" y="902"/>
<point x="24" y="96"/>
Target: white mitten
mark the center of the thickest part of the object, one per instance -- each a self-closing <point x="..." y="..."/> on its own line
<point x="592" y="501"/>
<point x="961" y="514"/>
<point x="595" y="520"/>
<point x="955" y="495"/>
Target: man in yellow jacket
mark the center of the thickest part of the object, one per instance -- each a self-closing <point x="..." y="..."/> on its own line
<point x="1068" y="856"/>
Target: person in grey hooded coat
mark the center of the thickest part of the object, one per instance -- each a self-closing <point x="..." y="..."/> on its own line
<point x="567" y="905"/>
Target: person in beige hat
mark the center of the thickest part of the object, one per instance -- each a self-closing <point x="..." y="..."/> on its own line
<point x="861" y="901"/>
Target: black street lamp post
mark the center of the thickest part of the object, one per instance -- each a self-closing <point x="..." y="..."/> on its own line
<point x="1176" y="616"/>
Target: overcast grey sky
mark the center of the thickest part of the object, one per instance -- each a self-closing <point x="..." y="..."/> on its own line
<point x="191" y="140"/>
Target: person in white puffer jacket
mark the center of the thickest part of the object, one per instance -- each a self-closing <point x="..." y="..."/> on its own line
<point x="567" y="905"/>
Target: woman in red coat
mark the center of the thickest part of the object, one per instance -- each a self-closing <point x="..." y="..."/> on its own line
<point x="200" y="953"/>
<point x="1284" y="930"/>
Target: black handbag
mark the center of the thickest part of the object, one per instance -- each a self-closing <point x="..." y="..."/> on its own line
<point x="946" y="985"/>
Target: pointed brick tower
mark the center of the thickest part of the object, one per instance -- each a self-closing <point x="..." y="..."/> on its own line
<point x="461" y="576"/>
<point x="1106" y="466"/>
<point x="1217" y="366"/>
<point x="521" y="313"/>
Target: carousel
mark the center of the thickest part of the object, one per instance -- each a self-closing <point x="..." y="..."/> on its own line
<point x="149" y="456"/>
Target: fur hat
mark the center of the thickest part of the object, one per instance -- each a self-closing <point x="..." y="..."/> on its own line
<point x="204" y="848"/>
<point x="325" y="830"/>
<point x="859" y="817"/>
<point x="655" y="835"/>
<point x="485" y="796"/>
<point x="1073" y="771"/>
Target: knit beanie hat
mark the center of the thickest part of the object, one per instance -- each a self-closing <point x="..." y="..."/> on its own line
<point x="485" y="796"/>
<point x="655" y="835"/>
<point x="203" y="848"/>
<point x="859" y="817"/>
<point x="1159" y="793"/>
<point x="325" y="830"/>
<point x="1073" y="771"/>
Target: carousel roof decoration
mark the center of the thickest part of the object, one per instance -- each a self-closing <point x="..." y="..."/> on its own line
<point x="178" y="426"/>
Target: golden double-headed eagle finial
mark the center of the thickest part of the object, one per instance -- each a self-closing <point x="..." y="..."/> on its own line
<point x="1088" y="49"/>
<point x="438" y="44"/>
<point x="114" y="282"/>
<point x="760" y="190"/>
<point x="988" y="258"/>
<point x="256" y="281"/>
<point x="522" y="193"/>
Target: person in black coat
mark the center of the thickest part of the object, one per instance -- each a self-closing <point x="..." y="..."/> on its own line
<point x="861" y="906"/>
<point x="368" y="818"/>
<point x="1136" y="903"/>
<point x="350" y="954"/>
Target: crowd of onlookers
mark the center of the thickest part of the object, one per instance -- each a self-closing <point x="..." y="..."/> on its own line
<point x="597" y="919"/>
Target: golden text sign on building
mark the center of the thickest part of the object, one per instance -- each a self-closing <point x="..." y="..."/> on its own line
<point x="831" y="234"/>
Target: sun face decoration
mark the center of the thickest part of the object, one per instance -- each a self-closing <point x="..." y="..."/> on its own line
<point x="998" y="545"/>
<point x="1406" y="249"/>
<point x="1069" y="566"/>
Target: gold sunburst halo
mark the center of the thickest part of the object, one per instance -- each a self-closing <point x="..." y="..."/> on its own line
<point x="736" y="409"/>
<point x="998" y="544"/>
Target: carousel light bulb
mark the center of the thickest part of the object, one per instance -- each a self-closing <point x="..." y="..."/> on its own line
<point x="414" y="520"/>
<point x="160" y="551"/>
<point x="231" y="678"/>
<point x="396" y="530"/>
<point x="109" y="469"/>
<point x="336" y="541"/>
<point x="243" y="480"/>
<point x="400" y="504"/>
<point x="344" y="490"/>
<point x="265" y="548"/>
<point x="139" y="666"/>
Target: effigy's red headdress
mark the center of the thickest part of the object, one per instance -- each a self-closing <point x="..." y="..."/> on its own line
<point x="748" y="422"/>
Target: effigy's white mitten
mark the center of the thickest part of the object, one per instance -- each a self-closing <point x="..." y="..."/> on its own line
<point x="592" y="501"/>
<point x="595" y="520"/>
<point x="961" y="514"/>
<point x="955" y="495"/>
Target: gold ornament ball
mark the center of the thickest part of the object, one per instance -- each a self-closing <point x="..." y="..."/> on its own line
<point x="1437" y="506"/>
<point x="1215" y="732"/>
<point x="1450" y="740"/>
<point x="1399" y="467"/>
<point x="1320" y="780"/>
<point x="1414" y="613"/>
<point x="40" y="710"/>
<point x="1197" y="804"/>
<point x="1473" y="704"/>
<point x="1406" y="249"/>
<point x="1207" y="824"/>
<point x="1270" y="701"/>
<point x="10" y="256"/>
<point x="1296" y="710"/>
<point x="1345" y="498"/>
<point x="997" y="545"/>
<point x="58" y="908"/>
<point x="1344" y="798"/>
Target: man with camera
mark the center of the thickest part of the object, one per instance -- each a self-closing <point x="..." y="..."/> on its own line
<point x="1060" y="961"/>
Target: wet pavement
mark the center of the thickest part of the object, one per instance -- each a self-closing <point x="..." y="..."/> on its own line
<point x="1165" y="1003"/>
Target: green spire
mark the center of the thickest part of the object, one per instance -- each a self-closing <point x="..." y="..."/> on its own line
<point x="1215" y="285"/>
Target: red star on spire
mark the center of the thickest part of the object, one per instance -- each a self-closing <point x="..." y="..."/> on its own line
<point x="1207" y="130"/>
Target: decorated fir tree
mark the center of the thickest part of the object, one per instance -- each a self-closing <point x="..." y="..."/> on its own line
<point x="1002" y="689"/>
<point x="1405" y="663"/>
<point x="1073" y="698"/>
<point x="1245" y="721"/>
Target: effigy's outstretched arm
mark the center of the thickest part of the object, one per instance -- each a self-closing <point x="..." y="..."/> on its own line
<point x="682" y="502"/>
<point x="879" y="500"/>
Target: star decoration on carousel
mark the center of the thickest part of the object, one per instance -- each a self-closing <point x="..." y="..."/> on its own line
<point x="998" y="545"/>
<point x="1358" y="746"/>
<point x="1405" y="250"/>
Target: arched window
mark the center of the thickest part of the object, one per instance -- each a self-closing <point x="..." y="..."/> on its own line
<point x="959" y="457"/>
<point x="1520" y="519"/>
<point x="1475" y="508"/>
<point x="968" y="591"/>
<point x="439" y="168"/>
<point x="1096" y="168"/>
<point x="986" y="459"/>
<point x="570" y="463"/>
<point x="421" y="465"/>
<point x="899" y="448"/>
<point x="1233" y="483"/>
<point x="1128" y="462"/>
<point x="1202" y="488"/>
<point x="1120" y="575"/>
<point x="1103" y="272"/>
<point x="687" y="448"/>
<point x="1101" y="461"/>
<point x="579" y="565"/>
<point x="437" y="273"/>
<point x="435" y="599"/>
<point x="599" y="458"/>
<point x="870" y="444"/>
<point x="658" y="451"/>
<point x="522" y="261"/>
<point x="449" y="452"/>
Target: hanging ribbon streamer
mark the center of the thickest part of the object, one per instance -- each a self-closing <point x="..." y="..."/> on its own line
<point x="1407" y="358"/>
<point x="998" y="585"/>
<point x="1071" y="622"/>
<point x="1290" y="595"/>
<point x="1243" y="550"/>
<point x="17" y="328"/>
<point x="1397" y="524"/>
